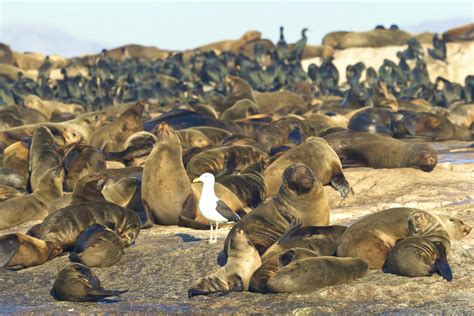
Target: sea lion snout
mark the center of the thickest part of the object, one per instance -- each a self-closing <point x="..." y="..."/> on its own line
<point x="466" y="229"/>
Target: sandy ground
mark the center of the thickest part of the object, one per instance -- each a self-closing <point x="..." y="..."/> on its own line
<point x="164" y="261"/>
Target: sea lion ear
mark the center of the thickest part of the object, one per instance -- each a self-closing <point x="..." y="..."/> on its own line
<point x="419" y="223"/>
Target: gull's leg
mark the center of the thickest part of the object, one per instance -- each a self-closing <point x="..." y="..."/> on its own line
<point x="210" y="234"/>
<point x="211" y="240"/>
<point x="217" y="229"/>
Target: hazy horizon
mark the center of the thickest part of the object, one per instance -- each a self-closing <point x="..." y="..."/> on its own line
<point x="73" y="28"/>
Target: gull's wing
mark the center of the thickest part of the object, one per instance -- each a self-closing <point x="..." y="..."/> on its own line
<point x="226" y="212"/>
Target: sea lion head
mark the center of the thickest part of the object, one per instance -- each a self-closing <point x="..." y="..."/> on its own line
<point x="71" y="136"/>
<point x="239" y="241"/>
<point x="54" y="249"/>
<point x="165" y="134"/>
<point x="299" y="178"/>
<point x="421" y="156"/>
<point x="422" y="223"/>
<point x="55" y="176"/>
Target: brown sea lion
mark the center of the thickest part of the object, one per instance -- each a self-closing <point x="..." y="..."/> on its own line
<point x="243" y="259"/>
<point x="97" y="246"/>
<point x="49" y="108"/>
<point x="215" y="134"/>
<point x="239" y="89"/>
<point x="460" y="34"/>
<point x="43" y="156"/>
<point x="309" y="241"/>
<point x="240" y="110"/>
<point x="314" y="273"/>
<point x="77" y="283"/>
<point x="111" y="136"/>
<point x="63" y="134"/>
<point x="224" y="160"/>
<point x="79" y="161"/>
<point x="63" y="226"/>
<point x="8" y="192"/>
<point x="135" y="150"/>
<point x="301" y="197"/>
<point x="317" y="155"/>
<point x="372" y="237"/>
<point x="164" y="172"/>
<point x="280" y="101"/>
<point x="22" y="251"/>
<point x="249" y="185"/>
<point x="15" y="158"/>
<point x="33" y="206"/>
<point x="381" y="151"/>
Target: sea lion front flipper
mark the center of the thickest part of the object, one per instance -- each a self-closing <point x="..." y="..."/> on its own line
<point x="339" y="183"/>
<point x="442" y="263"/>
<point x="8" y="248"/>
<point x="295" y="136"/>
<point x="235" y="284"/>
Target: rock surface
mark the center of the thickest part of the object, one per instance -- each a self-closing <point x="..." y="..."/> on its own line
<point x="164" y="261"/>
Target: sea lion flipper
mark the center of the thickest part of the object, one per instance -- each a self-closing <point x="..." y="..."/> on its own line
<point x="98" y="294"/>
<point x="286" y="258"/>
<point x="444" y="269"/>
<point x="290" y="231"/>
<point x="8" y="248"/>
<point x="340" y="183"/>
<point x="191" y="223"/>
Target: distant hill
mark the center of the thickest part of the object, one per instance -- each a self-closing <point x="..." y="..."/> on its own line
<point x="46" y="40"/>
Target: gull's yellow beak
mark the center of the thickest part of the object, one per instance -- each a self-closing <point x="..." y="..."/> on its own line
<point x="197" y="180"/>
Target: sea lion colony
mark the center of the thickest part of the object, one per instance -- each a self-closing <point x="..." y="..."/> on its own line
<point x="113" y="145"/>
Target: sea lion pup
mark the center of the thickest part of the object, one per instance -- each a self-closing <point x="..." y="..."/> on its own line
<point x="381" y="151"/>
<point x="224" y="160"/>
<point x="240" y="110"/>
<point x="243" y="259"/>
<point x="316" y="154"/>
<point x="164" y="172"/>
<point x="15" y="159"/>
<point x="301" y="197"/>
<point x="372" y="120"/>
<point x="372" y="237"/>
<point x="239" y="89"/>
<point x="249" y="185"/>
<point x="314" y="273"/>
<point x="309" y="241"/>
<point x="63" y="226"/>
<point x="111" y="136"/>
<point x="426" y="249"/>
<point x="80" y="160"/>
<point x="77" y="283"/>
<point x="19" y="251"/>
<point x="48" y="108"/>
<point x="43" y="155"/>
<point x="283" y="102"/>
<point x="97" y="246"/>
<point x="33" y="206"/>
<point x="63" y="134"/>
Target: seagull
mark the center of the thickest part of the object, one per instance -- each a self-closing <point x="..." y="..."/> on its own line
<point x="213" y="209"/>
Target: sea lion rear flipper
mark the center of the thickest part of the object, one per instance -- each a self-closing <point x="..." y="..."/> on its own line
<point x="8" y="248"/>
<point x="339" y="183"/>
<point x="98" y="294"/>
<point x="191" y="223"/>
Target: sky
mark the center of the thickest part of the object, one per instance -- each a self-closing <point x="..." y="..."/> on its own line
<point x="77" y="27"/>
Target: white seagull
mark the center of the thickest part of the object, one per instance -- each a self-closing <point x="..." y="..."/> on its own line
<point x="213" y="209"/>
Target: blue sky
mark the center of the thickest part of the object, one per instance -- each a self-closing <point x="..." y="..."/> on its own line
<point x="181" y="25"/>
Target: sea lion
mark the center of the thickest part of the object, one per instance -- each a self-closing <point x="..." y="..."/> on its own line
<point x="215" y="134"/>
<point x="97" y="246"/>
<point x="426" y="249"/>
<point x="372" y="120"/>
<point x="240" y="110"/>
<point x="22" y="251"/>
<point x="372" y="237"/>
<point x="301" y="197"/>
<point x="77" y="283"/>
<point x="381" y="151"/>
<point x="63" y="134"/>
<point x="314" y="273"/>
<point x="110" y="137"/>
<point x="239" y="89"/>
<point x="135" y="150"/>
<point x="33" y="206"/>
<point x="164" y="172"/>
<point x="63" y="226"/>
<point x="283" y="102"/>
<point x="243" y="259"/>
<point x="249" y="185"/>
<point x="15" y="159"/>
<point x="460" y="34"/>
<point x="270" y="265"/>
<point x="49" y="108"/>
<point x="317" y="155"/>
<point x="80" y="160"/>
<point x="224" y="160"/>
<point x="43" y="155"/>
